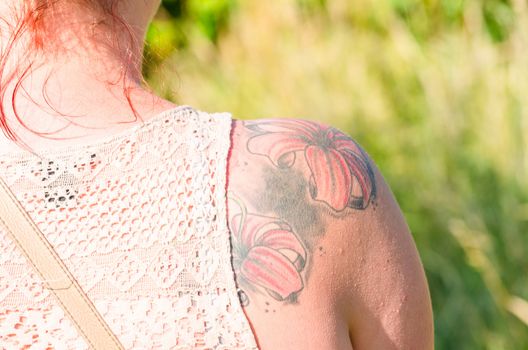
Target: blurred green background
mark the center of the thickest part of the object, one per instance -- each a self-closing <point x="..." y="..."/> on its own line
<point x="435" y="90"/>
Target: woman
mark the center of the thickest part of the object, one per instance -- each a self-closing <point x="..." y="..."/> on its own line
<point x="187" y="229"/>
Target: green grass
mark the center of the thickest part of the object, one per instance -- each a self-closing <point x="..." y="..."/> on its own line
<point x="436" y="91"/>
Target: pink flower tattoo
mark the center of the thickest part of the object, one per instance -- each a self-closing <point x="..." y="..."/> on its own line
<point x="341" y="175"/>
<point x="267" y="254"/>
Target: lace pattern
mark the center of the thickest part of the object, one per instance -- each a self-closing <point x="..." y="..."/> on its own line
<point x="140" y="220"/>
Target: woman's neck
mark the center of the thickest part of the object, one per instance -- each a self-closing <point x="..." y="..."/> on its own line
<point x="85" y="79"/>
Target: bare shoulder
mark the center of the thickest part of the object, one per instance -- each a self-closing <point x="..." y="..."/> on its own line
<point x="319" y="240"/>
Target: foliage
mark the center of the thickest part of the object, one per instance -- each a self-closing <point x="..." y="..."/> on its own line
<point x="435" y="90"/>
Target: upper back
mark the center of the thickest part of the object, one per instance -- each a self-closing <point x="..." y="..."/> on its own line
<point x="321" y="253"/>
<point x="139" y="219"/>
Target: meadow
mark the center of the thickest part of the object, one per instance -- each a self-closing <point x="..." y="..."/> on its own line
<point x="435" y="90"/>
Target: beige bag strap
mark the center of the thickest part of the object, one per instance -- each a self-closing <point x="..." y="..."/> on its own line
<point x="54" y="272"/>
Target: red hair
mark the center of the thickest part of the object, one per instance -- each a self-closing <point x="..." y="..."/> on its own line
<point x="33" y="21"/>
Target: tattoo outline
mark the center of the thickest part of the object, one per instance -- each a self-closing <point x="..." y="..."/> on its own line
<point x="267" y="254"/>
<point x="341" y="175"/>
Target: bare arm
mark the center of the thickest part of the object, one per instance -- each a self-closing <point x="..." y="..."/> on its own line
<point x="384" y="292"/>
<point x="321" y="250"/>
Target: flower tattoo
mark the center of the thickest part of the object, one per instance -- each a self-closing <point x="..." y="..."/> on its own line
<point x="267" y="254"/>
<point x="341" y="175"/>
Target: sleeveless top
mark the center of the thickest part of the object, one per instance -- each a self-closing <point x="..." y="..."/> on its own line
<point x="140" y="221"/>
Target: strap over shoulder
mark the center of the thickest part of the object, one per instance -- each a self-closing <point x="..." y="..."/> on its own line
<point x="59" y="280"/>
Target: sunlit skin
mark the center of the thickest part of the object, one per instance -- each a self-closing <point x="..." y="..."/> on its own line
<point x="267" y="252"/>
<point x="79" y="74"/>
<point x="322" y="255"/>
<point x="318" y="208"/>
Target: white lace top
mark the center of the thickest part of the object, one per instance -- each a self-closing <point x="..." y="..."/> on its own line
<point x="140" y="220"/>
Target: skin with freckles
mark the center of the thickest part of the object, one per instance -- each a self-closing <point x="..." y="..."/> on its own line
<point x="322" y="255"/>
